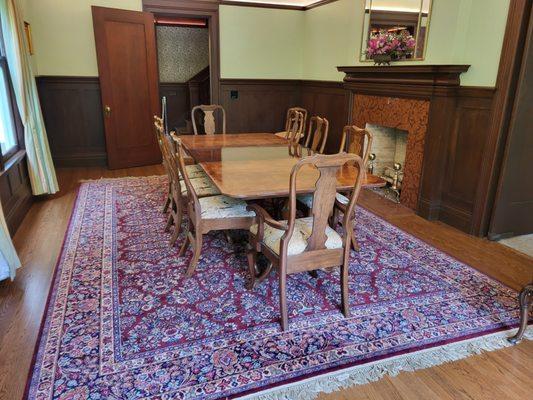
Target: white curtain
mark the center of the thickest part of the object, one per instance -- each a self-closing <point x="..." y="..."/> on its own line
<point x="40" y="166"/>
<point x="9" y="261"/>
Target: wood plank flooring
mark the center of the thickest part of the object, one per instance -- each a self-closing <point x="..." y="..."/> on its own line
<point x="502" y="374"/>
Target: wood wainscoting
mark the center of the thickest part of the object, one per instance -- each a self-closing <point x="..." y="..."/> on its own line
<point x="15" y="191"/>
<point x="73" y="116"/>
<point x="258" y="105"/>
<point x="329" y="100"/>
<point x="72" y="111"/>
<point x="465" y="152"/>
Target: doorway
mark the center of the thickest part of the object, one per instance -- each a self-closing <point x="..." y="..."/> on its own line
<point x="183" y="62"/>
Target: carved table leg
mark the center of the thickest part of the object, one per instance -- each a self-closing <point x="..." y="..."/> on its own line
<point x="525" y="298"/>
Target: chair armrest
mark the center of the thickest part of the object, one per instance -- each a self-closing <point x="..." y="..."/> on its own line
<point x="264" y="217"/>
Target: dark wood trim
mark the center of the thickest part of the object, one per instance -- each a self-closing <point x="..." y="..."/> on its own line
<point x="319" y="4"/>
<point x="261" y="5"/>
<point x="268" y="82"/>
<point x="196" y="9"/>
<point x="161" y="6"/>
<point x="506" y="84"/>
<point x="15" y="191"/>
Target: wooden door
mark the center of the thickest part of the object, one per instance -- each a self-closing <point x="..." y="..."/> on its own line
<point x="513" y="206"/>
<point x="127" y="66"/>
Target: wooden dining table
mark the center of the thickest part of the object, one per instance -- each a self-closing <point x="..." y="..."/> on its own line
<point x="258" y="165"/>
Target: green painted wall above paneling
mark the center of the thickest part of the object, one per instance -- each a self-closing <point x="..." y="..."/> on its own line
<point x="261" y="43"/>
<point x="63" y="34"/>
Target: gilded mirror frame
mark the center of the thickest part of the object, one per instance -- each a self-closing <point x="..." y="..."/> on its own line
<point x="365" y="31"/>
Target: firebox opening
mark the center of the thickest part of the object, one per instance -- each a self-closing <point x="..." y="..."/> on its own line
<point x="387" y="158"/>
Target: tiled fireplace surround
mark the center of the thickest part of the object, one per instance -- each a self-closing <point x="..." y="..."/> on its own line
<point x="405" y="114"/>
<point x="423" y="101"/>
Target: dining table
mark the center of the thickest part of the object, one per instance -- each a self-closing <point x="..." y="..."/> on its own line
<point x="253" y="166"/>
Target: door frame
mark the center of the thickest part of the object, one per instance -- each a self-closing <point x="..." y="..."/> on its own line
<point x="207" y="9"/>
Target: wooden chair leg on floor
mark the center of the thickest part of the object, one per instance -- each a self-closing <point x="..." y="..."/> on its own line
<point x="187" y="240"/>
<point x="252" y="261"/>
<point x="197" y="244"/>
<point x="165" y="207"/>
<point x="525" y="297"/>
<point x="170" y="219"/>
<point x="345" y="293"/>
<point x="354" y="244"/>
<point x="177" y="218"/>
<point x="283" y="299"/>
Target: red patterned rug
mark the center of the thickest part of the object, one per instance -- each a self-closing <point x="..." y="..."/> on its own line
<point x="123" y="322"/>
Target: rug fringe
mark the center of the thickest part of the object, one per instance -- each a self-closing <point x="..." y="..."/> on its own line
<point x="104" y="179"/>
<point x="362" y="374"/>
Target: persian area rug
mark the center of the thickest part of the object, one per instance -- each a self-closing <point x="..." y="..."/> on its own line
<point x="122" y="321"/>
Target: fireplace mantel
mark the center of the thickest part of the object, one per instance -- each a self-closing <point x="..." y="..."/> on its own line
<point x="422" y="100"/>
<point x="408" y="80"/>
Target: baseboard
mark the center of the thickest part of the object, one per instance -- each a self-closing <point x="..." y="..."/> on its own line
<point x="81" y="160"/>
<point x="17" y="213"/>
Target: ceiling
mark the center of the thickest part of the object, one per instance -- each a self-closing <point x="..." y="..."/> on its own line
<point x="299" y="3"/>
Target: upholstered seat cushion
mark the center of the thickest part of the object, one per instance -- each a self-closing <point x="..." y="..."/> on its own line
<point x="194" y="171"/>
<point x="282" y="134"/>
<point x="221" y="206"/>
<point x="298" y="243"/>
<point x="202" y="186"/>
<point x="307" y="199"/>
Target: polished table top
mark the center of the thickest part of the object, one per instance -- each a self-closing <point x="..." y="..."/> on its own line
<point x="209" y="147"/>
<point x="256" y="172"/>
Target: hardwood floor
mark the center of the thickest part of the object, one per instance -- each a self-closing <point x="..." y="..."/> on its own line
<point x="502" y="374"/>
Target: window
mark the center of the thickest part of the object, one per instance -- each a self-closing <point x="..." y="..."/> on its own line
<point x="8" y="118"/>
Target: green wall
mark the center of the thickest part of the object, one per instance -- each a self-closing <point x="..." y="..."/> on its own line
<point x="63" y="36"/>
<point x="261" y="43"/>
<point x="264" y="43"/>
<point x="461" y="32"/>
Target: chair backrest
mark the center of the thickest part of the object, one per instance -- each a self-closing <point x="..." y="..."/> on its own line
<point x="193" y="205"/>
<point x="209" y="122"/>
<point x="353" y="141"/>
<point x="169" y="153"/>
<point x="295" y="128"/>
<point x="324" y="196"/>
<point x="160" y="136"/>
<point x="291" y="116"/>
<point x="317" y="134"/>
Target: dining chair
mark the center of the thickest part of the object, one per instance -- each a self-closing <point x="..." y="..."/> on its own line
<point x="206" y="214"/>
<point x="159" y="134"/>
<point x="178" y="191"/>
<point x="294" y="117"/>
<point x="357" y="141"/>
<point x="306" y="244"/>
<point x="317" y="134"/>
<point x="208" y="121"/>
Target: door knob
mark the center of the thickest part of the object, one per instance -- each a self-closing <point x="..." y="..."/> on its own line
<point x="107" y="111"/>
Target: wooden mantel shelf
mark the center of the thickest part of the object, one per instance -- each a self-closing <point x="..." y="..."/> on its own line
<point x="425" y="75"/>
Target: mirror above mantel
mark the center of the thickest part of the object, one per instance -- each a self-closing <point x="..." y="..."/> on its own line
<point x="396" y="27"/>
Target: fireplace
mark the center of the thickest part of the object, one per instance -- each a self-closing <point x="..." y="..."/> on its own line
<point x="389" y="147"/>
<point x="386" y="116"/>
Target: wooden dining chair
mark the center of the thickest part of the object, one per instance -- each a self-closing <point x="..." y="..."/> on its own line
<point x="206" y="214"/>
<point x="208" y="121"/>
<point x="159" y="134"/>
<point x="306" y="244"/>
<point x="317" y="134"/>
<point x="357" y="141"/>
<point x="195" y="171"/>
<point x="295" y="116"/>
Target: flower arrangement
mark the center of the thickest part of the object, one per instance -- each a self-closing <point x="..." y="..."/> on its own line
<point x="397" y="45"/>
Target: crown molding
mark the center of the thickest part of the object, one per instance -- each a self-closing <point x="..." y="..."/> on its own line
<point x="278" y="6"/>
